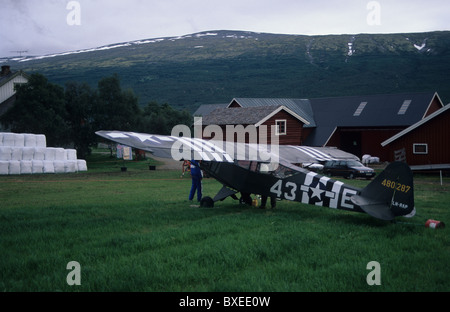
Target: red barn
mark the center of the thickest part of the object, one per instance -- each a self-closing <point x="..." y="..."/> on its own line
<point x="355" y="124"/>
<point x="425" y="143"/>
<point x="359" y="124"/>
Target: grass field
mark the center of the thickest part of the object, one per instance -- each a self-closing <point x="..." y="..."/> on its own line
<point x="136" y="231"/>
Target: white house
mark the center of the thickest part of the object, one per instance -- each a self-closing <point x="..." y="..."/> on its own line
<point x="8" y="81"/>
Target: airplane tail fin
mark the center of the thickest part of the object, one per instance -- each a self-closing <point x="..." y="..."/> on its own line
<point x="390" y="194"/>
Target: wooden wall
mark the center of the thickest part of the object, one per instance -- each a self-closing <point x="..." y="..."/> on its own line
<point x="435" y="133"/>
<point x="294" y="128"/>
<point x="293" y="134"/>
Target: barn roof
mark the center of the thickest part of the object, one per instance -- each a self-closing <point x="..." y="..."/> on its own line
<point x="389" y="110"/>
<point x="245" y="115"/>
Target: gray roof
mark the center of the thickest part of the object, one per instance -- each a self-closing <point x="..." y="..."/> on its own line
<point x="240" y="116"/>
<point x="393" y="110"/>
<point x="12" y="75"/>
<point x="301" y="107"/>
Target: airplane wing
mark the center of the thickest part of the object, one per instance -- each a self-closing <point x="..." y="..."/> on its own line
<point x="307" y="154"/>
<point x="165" y="146"/>
<point x="179" y="148"/>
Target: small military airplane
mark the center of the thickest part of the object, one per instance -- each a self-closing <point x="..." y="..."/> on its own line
<point x="254" y="169"/>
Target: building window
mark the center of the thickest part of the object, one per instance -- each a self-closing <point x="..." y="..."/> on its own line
<point x="420" y="148"/>
<point x="280" y="127"/>
<point x="17" y="84"/>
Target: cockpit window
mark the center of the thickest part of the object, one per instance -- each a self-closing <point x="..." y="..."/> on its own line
<point x="276" y="169"/>
<point x="246" y="164"/>
<point x="268" y="167"/>
<point x="243" y="163"/>
<point x="284" y="172"/>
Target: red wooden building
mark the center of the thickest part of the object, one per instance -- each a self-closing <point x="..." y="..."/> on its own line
<point x="254" y="125"/>
<point x="359" y="124"/>
<point x="426" y="143"/>
<point x="355" y="124"/>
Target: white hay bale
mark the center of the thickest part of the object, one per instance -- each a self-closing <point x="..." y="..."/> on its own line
<point x="41" y="141"/>
<point x="81" y="165"/>
<point x="70" y="166"/>
<point x="5" y="153"/>
<point x="25" y="167"/>
<point x="49" y="154"/>
<point x="1" y="138"/>
<point x="30" y="140"/>
<point x="19" y="140"/>
<point x="48" y="166"/>
<point x="60" y="154"/>
<point x="365" y="158"/>
<point x="14" y="167"/>
<point x="4" y="167"/>
<point x="16" y="153"/>
<point x="71" y="154"/>
<point x="37" y="166"/>
<point x="59" y="166"/>
<point x="39" y="153"/>
<point x="8" y="139"/>
<point x="28" y="153"/>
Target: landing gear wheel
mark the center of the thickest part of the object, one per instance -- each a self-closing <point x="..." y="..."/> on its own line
<point x="246" y="199"/>
<point x="207" y="202"/>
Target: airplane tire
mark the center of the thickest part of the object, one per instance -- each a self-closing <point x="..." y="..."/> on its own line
<point x="207" y="202"/>
<point x="245" y="199"/>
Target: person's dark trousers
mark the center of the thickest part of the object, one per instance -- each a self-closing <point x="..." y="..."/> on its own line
<point x="196" y="187"/>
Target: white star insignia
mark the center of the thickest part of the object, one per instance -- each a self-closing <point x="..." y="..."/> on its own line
<point x="143" y="137"/>
<point x="317" y="192"/>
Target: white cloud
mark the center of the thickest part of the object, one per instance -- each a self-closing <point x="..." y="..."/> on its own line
<point x="41" y="26"/>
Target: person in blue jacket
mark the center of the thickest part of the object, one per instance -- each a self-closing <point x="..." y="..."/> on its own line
<point x="196" y="174"/>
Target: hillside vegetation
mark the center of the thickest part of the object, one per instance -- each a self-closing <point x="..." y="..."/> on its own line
<point x="216" y="66"/>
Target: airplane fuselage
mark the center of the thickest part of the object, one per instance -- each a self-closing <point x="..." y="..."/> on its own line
<point x="286" y="182"/>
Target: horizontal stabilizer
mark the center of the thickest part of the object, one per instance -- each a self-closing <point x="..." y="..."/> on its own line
<point x="373" y="208"/>
<point x="224" y="193"/>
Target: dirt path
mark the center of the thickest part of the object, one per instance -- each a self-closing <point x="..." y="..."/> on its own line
<point x="169" y="164"/>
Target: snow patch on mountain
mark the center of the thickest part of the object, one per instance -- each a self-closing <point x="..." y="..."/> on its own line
<point x="419" y="47"/>
<point x="127" y="44"/>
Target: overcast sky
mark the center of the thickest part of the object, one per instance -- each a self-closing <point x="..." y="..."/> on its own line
<point x="50" y="26"/>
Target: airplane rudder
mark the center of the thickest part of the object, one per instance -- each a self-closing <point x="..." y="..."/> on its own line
<point x="396" y="186"/>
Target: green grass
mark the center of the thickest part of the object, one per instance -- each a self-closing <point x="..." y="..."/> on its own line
<point x="136" y="231"/>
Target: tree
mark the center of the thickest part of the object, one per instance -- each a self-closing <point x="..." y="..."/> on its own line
<point x="39" y="108"/>
<point x="80" y="100"/>
<point x="160" y="119"/>
<point x="115" y="109"/>
<point x="73" y="115"/>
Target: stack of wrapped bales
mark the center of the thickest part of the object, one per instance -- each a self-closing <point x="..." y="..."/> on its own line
<point x="24" y="153"/>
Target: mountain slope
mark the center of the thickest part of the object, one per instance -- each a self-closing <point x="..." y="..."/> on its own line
<point x="216" y="66"/>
